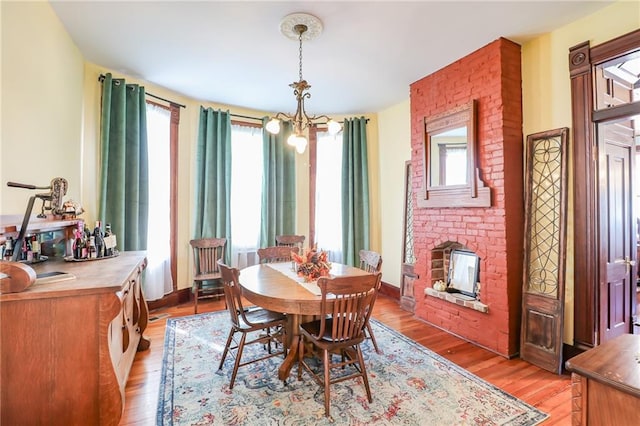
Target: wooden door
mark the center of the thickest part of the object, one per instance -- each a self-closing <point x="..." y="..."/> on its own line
<point x="617" y="229"/>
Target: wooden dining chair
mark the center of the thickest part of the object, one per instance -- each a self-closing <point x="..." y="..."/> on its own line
<point x="346" y="306"/>
<point x="291" y="241"/>
<point x="371" y="261"/>
<point x="270" y="325"/>
<point x="206" y="275"/>
<point x="276" y="254"/>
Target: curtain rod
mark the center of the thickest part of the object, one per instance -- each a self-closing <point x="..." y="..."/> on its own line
<point x="101" y="79"/>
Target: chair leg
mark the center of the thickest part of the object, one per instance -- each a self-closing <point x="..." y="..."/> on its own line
<point x="327" y="385"/>
<point x="363" y="370"/>
<point x="238" y="357"/>
<point x="373" y="337"/>
<point x="195" y="300"/>
<point x="300" y="356"/>
<point x="226" y="348"/>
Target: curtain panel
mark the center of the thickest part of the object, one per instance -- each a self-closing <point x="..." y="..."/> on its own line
<point x="124" y="179"/>
<point x="355" y="190"/>
<point x="278" y="186"/>
<point x="213" y="177"/>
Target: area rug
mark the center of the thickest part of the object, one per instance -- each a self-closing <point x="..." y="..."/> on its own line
<point x="410" y="384"/>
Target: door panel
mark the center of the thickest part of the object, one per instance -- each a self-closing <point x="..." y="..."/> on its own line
<point x="616" y="229"/>
<point x="543" y="281"/>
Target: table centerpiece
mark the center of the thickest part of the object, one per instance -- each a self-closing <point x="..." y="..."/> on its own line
<point x="311" y="264"/>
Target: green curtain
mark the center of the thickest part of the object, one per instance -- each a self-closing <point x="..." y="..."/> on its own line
<point x="124" y="179"/>
<point x="355" y="190"/>
<point x="213" y="177"/>
<point x="278" y="186"/>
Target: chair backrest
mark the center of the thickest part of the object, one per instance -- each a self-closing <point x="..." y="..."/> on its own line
<point x="232" y="291"/>
<point x="291" y="241"/>
<point x="370" y="261"/>
<point x="206" y="253"/>
<point x="352" y="299"/>
<point x="276" y="254"/>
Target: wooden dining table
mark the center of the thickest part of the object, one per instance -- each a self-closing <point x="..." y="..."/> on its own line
<point x="276" y="287"/>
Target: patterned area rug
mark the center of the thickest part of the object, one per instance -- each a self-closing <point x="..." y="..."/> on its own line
<point x="410" y="385"/>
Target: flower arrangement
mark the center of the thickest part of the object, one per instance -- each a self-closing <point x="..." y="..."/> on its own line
<point x="311" y="264"/>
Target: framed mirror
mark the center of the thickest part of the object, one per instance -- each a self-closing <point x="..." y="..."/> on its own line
<point x="463" y="273"/>
<point x="451" y="177"/>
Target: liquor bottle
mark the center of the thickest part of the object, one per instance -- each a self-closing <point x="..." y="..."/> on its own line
<point x="108" y="247"/>
<point x="8" y="249"/>
<point x="35" y="248"/>
<point x="99" y="239"/>
<point x="26" y="249"/>
<point x="79" y="248"/>
<point x="91" y="251"/>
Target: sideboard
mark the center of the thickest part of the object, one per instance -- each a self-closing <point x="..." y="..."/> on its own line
<point x="67" y="346"/>
<point x="605" y="383"/>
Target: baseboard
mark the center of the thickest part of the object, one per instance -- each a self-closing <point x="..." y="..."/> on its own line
<point x="171" y="299"/>
<point x="390" y="290"/>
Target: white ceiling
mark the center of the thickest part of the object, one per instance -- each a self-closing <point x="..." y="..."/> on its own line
<point x="232" y="52"/>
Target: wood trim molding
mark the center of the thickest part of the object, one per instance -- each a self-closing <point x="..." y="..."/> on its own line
<point x="582" y="59"/>
<point x="585" y="209"/>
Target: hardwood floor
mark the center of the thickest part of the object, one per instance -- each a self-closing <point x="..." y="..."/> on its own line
<point x="548" y="392"/>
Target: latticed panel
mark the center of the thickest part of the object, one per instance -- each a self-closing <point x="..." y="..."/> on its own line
<point x="409" y="256"/>
<point x="545" y="216"/>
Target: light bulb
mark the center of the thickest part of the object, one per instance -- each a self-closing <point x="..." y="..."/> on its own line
<point x="273" y="126"/>
<point x="292" y="140"/>
<point x="334" y="127"/>
<point x="301" y="144"/>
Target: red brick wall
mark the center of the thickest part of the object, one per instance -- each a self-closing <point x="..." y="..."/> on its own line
<point x="492" y="76"/>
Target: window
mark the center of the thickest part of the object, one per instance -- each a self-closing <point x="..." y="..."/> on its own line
<point x="157" y="281"/>
<point x="246" y="192"/>
<point x="328" y="190"/>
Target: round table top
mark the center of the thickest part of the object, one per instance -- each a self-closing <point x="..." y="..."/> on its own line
<point x="271" y="289"/>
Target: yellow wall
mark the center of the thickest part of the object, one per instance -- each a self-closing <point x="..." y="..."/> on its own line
<point x="41" y="82"/>
<point x="395" y="148"/>
<point x="546" y="92"/>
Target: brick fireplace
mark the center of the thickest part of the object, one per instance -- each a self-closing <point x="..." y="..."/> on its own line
<point x="492" y="77"/>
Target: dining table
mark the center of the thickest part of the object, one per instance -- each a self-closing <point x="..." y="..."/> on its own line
<point x="277" y="287"/>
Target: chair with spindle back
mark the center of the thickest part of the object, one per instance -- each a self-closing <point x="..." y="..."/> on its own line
<point x="256" y="325"/>
<point x="346" y="306"/>
<point x="276" y="254"/>
<point x="206" y="274"/>
<point x="371" y="261"/>
<point x="291" y="241"/>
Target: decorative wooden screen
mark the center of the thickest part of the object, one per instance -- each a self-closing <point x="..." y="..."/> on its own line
<point x="544" y="249"/>
<point x="407" y="299"/>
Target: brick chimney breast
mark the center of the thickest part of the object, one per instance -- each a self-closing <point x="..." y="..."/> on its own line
<point x="491" y="76"/>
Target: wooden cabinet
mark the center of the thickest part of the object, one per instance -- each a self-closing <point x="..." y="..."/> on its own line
<point x="605" y="383"/>
<point x="68" y="346"/>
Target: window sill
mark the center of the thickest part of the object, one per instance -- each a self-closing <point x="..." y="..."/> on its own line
<point x="457" y="300"/>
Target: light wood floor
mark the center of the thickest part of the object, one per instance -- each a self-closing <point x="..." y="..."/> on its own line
<point x="546" y="391"/>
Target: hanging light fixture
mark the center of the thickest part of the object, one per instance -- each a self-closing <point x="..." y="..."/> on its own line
<point x="301" y="26"/>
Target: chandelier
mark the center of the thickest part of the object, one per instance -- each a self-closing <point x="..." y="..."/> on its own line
<point x="299" y="26"/>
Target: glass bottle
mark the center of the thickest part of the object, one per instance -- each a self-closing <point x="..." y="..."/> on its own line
<point x="79" y="248"/>
<point x="98" y="239"/>
<point x="108" y="248"/>
<point x="35" y="247"/>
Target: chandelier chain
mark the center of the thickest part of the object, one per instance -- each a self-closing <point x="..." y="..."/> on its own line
<point x="300" y="55"/>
